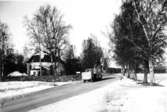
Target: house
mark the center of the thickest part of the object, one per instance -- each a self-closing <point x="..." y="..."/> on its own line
<point x="36" y="64"/>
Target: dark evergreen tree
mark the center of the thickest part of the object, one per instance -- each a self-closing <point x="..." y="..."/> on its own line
<point x="127" y="35"/>
<point x="92" y="53"/>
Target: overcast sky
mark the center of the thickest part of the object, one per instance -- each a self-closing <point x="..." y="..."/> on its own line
<point x="86" y="17"/>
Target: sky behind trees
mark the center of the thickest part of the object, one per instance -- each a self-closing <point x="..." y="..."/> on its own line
<point x="86" y="17"/>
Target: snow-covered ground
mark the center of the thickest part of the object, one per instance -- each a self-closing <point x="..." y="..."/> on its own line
<point x="121" y="96"/>
<point x="148" y="99"/>
<point x="16" y="88"/>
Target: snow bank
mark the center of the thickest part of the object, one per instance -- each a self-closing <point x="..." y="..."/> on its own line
<point x="64" y="83"/>
<point x="16" y="85"/>
<point x="139" y="98"/>
<point x="13" y="89"/>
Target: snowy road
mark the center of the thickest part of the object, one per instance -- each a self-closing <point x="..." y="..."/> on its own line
<point x="54" y="95"/>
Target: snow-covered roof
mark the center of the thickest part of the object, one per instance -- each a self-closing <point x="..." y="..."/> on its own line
<point x="17" y="74"/>
<point x="36" y="58"/>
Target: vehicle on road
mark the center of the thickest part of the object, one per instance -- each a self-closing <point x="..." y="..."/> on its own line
<point x="92" y="74"/>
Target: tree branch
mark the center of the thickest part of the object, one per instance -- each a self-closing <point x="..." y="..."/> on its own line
<point x="142" y="24"/>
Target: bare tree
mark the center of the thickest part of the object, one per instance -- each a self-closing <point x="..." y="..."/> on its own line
<point x="4" y="36"/>
<point x="152" y="15"/>
<point x="48" y="30"/>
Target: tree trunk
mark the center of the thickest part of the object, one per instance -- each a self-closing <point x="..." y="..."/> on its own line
<point x="123" y="71"/>
<point x="145" y="76"/>
<point x="135" y="75"/>
<point x="40" y="63"/>
<point x="28" y="69"/>
<point x="3" y="57"/>
<point x="151" y="69"/>
<point x="145" y="80"/>
<point x="2" y="71"/>
<point x="53" y="66"/>
<point x="128" y="70"/>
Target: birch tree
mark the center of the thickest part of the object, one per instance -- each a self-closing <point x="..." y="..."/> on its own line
<point x="4" y="36"/>
<point x="49" y="30"/>
<point x="152" y="16"/>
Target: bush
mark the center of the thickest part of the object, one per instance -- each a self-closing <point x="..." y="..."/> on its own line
<point x="72" y="65"/>
<point x="50" y="78"/>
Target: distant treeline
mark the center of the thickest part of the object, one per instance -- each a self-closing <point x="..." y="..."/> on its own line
<point x="156" y="70"/>
<point x="113" y="70"/>
<point x="160" y="69"/>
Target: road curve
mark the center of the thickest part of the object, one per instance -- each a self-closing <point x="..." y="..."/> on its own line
<point x="55" y="94"/>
